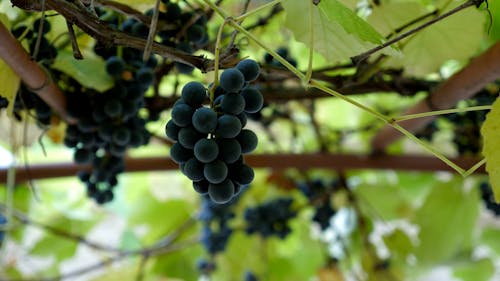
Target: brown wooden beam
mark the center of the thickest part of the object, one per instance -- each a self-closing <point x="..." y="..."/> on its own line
<point x="274" y="161"/>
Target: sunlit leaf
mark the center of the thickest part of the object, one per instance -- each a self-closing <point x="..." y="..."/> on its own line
<point x="90" y="72"/>
<point x="491" y="147"/>
<point x="338" y="32"/>
<point x="457" y="37"/>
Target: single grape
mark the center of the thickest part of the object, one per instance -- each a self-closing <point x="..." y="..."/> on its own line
<point x="105" y="131"/>
<point x="232" y="80"/>
<point x="249" y="68"/>
<point x="248" y="140"/>
<point x="46" y="25"/>
<point x="136" y="139"/>
<point x="83" y="156"/>
<point x="140" y="30"/>
<point x="180" y="154"/>
<point x="115" y="66"/>
<point x="243" y="119"/>
<point x="182" y="114"/>
<point x="233" y="103"/>
<point x="188" y="136"/>
<point x="201" y="186"/>
<point x="206" y="150"/>
<point x="229" y="150"/>
<point x="283" y="52"/>
<point x="205" y="120"/>
<point x="193" y="169"/>
<point x="172" y="130"/>
<point x="222" y="192"/>
<point x="173" y="11"/>
<point x="113" y="108"/>
<point x="195" y="33"/>
<point x="194" y="93"/>
<point x="242" y="174"/>
<point x="121" y="136"/>
<point x="253" y="99"/>
<point x="145" y="76"/>
<point x="215" y="172"/>
<point x="228" y="126"/>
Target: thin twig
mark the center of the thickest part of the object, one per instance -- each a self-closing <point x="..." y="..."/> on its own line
<point x="74" y="44"/>
<point x="152" y="32"/>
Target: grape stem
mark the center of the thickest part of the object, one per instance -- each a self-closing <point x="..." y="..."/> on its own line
<point x="257" y="10"/>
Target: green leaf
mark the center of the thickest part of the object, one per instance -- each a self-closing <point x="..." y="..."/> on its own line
<point x="399" y="244"/>
<point x="338" y="32"/>
<point x="457" y="37"/>
<point x="57" y="245"/>
<point x="490" y="132"/>
<point x="489" y="237"/>
<point x="446" y="220"/>
<point x="480" y="270"/>
<point x="494" y="7"/>
<point x="90" y="72"/>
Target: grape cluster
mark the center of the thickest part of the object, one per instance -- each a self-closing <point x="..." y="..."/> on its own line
<point x="46" y="51"/>
<point x="110" y="123"/>
<point x="271" y="218"/>
<point x="489" y="199"/>
<point x="26" y="100"/>
<point x="215" y="217"/>
<point x="318" y="193"/>
<point x="210" y="141"/>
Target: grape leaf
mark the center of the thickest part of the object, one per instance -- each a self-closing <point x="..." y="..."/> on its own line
<point x="338" y="32"/>
<point x="490" y="132"/>
<point x="494" y="7"/>
<point x="479" y="270"/>
<point x="90" y="72"/>
<point x="446" y="221"/>
<point x="457" y="37"/>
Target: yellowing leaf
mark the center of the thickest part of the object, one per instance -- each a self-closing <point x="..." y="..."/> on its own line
<point x="491" y="147"/>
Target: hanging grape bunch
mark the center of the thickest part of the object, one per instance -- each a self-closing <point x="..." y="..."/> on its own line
<point x="211" y="140"/>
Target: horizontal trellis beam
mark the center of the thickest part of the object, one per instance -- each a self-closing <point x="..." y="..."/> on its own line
<point x="339" y="162"/>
